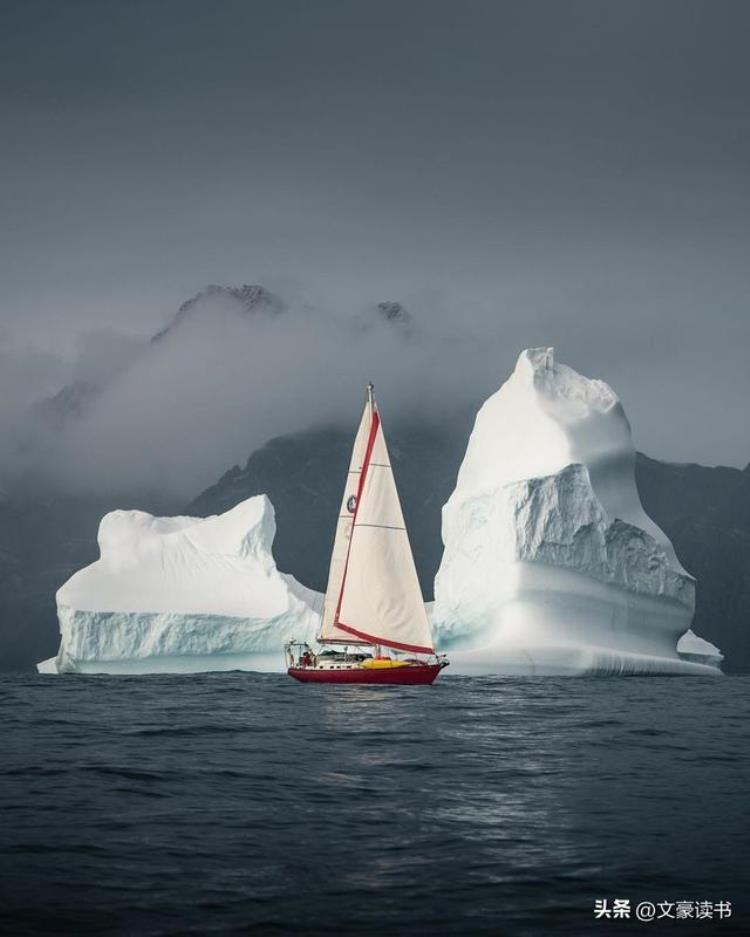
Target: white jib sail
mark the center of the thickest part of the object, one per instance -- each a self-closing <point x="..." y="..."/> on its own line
<point x="381" y="601"/>
<point x="328" y="630"/>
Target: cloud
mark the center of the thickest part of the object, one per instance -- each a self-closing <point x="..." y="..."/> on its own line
<point x="234" y="368"/>
<point x="518" y="176"/>
<point x="224" y="379"/>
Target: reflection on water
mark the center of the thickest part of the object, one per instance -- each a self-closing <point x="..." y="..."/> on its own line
<point x="209" y="804"/>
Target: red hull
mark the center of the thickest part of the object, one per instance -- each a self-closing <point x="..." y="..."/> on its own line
<point x="414" y="675"/>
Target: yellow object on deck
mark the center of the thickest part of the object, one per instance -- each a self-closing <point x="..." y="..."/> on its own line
<point x="382" y="663"/>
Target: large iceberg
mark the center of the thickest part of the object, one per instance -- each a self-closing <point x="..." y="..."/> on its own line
<point x="173" y="594"/>
<point x="551" y="565"/>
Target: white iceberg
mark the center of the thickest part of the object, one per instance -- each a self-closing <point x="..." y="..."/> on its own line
<point x="180" y="594"/>
<point x="691" y="647"/>
<point x="551" y="565"/>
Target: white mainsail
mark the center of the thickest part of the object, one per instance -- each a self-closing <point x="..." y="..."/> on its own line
<point x="373" y="593"/>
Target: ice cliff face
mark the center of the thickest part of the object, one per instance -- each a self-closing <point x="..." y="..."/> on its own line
<point x="183" y="593"/>
<point x="550" y="562"/>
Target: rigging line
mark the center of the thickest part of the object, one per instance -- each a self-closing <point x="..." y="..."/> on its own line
<point x="380" y="526"/>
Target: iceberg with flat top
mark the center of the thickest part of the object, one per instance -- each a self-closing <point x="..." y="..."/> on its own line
<point x="551" y="565"/>
<point x="180" y="594"/>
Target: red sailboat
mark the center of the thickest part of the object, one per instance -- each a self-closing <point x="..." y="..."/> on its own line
<point x="375" y="627"/>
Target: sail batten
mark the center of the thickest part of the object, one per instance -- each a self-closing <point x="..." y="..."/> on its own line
<point x="373" y="593"/>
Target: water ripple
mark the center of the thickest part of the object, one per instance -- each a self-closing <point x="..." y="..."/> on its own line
<point x="225" y="803"/>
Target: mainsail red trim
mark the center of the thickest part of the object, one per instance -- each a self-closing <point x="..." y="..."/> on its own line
<point x="397" y="645"/>
<point x="363" y="475"/>
<point x="368" y="456"/>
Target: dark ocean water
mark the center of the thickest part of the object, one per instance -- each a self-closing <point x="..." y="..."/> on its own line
<point x="240" y="803"/>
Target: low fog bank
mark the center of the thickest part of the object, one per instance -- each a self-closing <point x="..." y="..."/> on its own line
<point x="168" y="412"/>
<point x="232" y="369"/>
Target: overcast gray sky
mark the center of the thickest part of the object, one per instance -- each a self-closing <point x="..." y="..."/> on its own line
<point x="530" y="172"/>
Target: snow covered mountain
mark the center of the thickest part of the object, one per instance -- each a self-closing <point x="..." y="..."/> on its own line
<point x="182" y="594"/>
<point x="551" y="564"/>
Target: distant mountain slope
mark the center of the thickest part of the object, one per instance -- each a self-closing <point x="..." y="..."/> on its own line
<point x="706" y="514"/>
<point x="303" y="476"/>
<point x="246" y="300"/>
